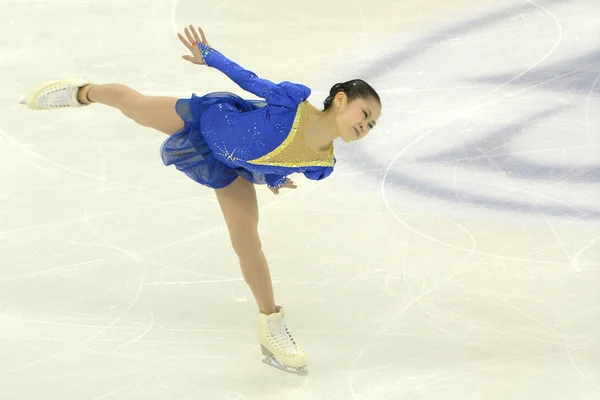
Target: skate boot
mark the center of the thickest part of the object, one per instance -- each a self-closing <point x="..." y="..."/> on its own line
<point x="55" y="94"/>
<point x="278" y="346"/>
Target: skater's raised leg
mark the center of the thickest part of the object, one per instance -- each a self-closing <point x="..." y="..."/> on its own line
<point x="156" y="112"/>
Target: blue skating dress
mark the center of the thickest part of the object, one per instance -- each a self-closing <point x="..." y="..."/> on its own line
<point x="225" y="136"/>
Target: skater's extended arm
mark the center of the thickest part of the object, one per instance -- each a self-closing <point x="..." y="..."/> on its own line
<point x="244" y="78"/>
<point x="204" y="54"/>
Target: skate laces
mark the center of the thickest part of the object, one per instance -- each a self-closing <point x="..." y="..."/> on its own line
<point x="281" y="336"/>
<point x="58" y="95"/>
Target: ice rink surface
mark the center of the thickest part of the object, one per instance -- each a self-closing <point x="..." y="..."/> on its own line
<point x="454" y="254"/>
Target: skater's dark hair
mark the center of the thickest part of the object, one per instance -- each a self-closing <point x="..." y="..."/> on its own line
<point x="356" y="88"/>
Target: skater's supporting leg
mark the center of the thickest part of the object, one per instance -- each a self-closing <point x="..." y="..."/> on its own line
<point x="156" y="112"/>
<point x="240" y="208"/>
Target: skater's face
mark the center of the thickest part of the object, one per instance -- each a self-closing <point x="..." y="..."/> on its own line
<point x="355" y="118"/>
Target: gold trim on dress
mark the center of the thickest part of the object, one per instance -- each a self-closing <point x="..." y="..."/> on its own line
<point x="293" y="151"/>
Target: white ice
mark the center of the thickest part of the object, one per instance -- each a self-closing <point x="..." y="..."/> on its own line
<point x="454" y="254"/>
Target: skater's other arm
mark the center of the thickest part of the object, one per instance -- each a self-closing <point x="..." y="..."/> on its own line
<point x="276" y="182"/>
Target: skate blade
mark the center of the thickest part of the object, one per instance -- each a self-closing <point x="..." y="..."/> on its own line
<point x="272" y="362"/>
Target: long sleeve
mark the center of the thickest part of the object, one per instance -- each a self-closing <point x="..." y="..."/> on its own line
<point x="284" y="94"/>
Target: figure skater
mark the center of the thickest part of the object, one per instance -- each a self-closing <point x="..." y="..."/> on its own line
<point x="230" y="144"/>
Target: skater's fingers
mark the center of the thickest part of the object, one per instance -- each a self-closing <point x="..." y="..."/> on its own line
<point x="203" y="36"/>
<point x="185" y="42"/>
<point x="189" y="36"/>
<point x="195" y="34"/>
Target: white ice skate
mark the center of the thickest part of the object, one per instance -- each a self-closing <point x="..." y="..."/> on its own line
<point x="278" y="346"/>
<point x="55" y="94"/>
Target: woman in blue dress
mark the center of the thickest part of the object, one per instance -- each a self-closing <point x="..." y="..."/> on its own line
<point x="230" y="144"/>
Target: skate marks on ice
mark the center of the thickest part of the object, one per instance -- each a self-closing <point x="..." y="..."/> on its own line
<point x="517" y="143"/>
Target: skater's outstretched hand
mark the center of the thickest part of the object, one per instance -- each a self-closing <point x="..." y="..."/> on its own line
<point x="192" y="42"/>
<point x="289" y="184"/>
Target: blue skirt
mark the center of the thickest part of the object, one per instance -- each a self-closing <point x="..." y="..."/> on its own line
<point x="187" y="149"/>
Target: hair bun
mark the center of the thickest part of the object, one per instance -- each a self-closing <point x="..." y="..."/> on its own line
<point x="353" y="89"/>
<point x="338" y="87"/>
